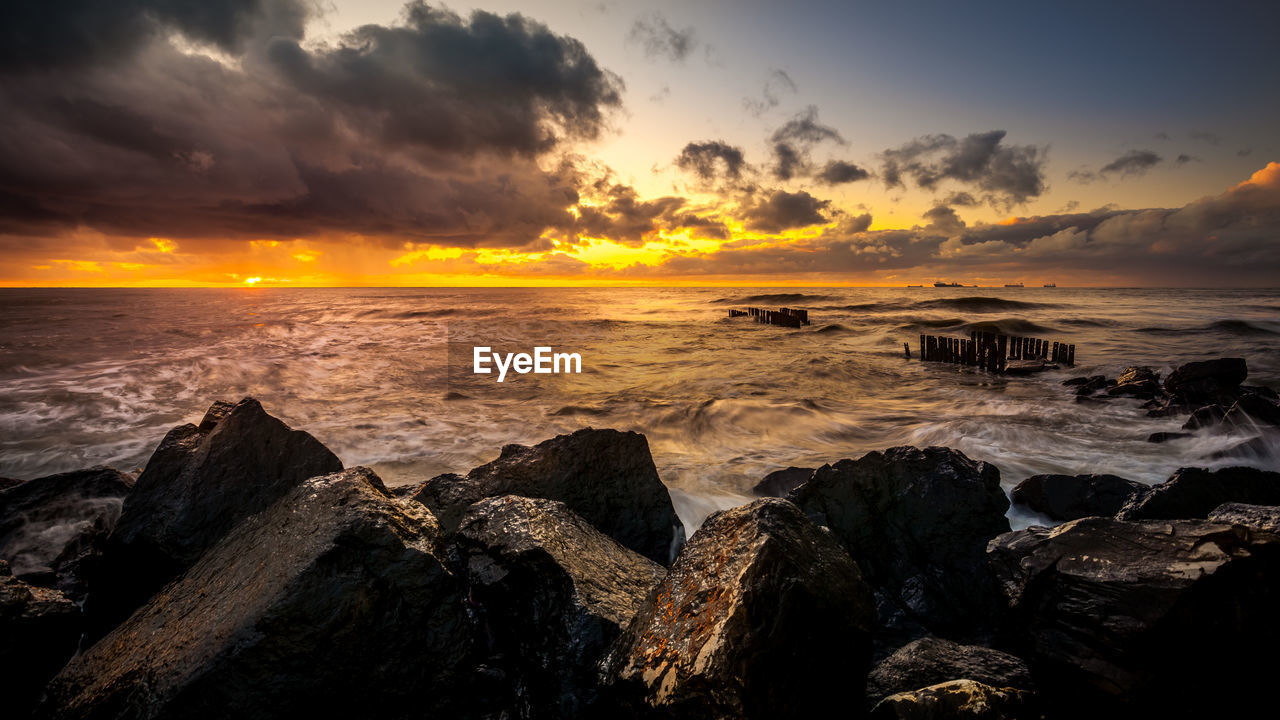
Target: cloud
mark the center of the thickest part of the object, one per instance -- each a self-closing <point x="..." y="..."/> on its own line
<point x="1205" y="136"/>
<point x="777" y="83"/>
<point x="1183" y="159"/>
<point x="792" y="142"/>
<point x="943" y="219"/>
<point x="439" y="128"/>
<point x="837" y="172"/>
<point x="781" y="210"/>
<point x="628" y="220"/>
<point x="711" y="160"/>
<point x="658" y="39"/>
<point x="1005" y="174"/>
<point x="1134" y="162"/>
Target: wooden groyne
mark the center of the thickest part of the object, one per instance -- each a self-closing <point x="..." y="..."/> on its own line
<point x="784" y="317"/>
<point x="992" y="351"/>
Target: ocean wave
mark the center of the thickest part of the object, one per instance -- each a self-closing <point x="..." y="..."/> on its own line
<point x="1007" y="326"/>
<point x="1248" y="328"/>
<point x="774" y="298"/>
<point x="833" y="328"/>
<point x="919" y="322"/>
<point x="981" y="304"/>
<point x="1088" y="322"/>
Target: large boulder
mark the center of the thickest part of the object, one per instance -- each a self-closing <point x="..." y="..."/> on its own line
<point x="1069" y="497"/>
<point x="553" y="593"/>
<point x="1137" y="382"/>
<point x="1207" y="381"/>
<point x="762" y="615"/>
<point x="917" y="522"/>
<point x="199" y="484"/>
<point x="606" y="476"/>
<point x="780" y="482"/>
<point x="1149" y="617"/>
<point x="930" y="660"/>
<point x="1252" y="410"/>
<point x="958" y="699"/>
<point x="39" y="629"/>
<point x="333" y="602"/>
<point x="52" y="529"/>
<point x="1258" y="517"/>
<point x="1194" y="492"/>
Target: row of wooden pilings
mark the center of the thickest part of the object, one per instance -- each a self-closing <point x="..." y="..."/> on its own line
<point x="785" y="317"/>
<point x="991" y="351"/>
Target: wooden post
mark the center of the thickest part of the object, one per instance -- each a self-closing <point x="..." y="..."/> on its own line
<point x="1071" y="354"/>
<point x="1000" y="355"/>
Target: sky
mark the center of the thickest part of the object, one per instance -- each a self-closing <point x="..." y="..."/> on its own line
<point x="298" y="143"/>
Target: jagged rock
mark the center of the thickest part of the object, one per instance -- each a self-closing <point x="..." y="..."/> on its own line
<point x="1143" y="616"/>
<point x="196" y="487"/>
<point x="1138" y="382"/>
<point x="1193" y="492"/>
<point x="917" y="522"/>
<point x="1258" y="517"/>
<point x="333" y="602"/>
<point x="407" y="491"/>
<point x="1160" y="437"/>
<point x="1067" y="497"/>
<point x="1207" y="381"/>
<point x="1091" y="385"/>
<point x="39" y="628"/>
<point x="1203" y="417"/>
<point x="780" y="482"/>
<point x="1076" y="381"/>
<point x="553" y="593"/>
<point x="6" y="483"/>
<point x="957" y="699"/>
<point x="56" y="525"/>
<point x="930" y="661"/>
<point x="1251" y="410"/>
<point x="763" y="615"/>
<point x="1259" y="390"/>
<point x="606" y="476"/>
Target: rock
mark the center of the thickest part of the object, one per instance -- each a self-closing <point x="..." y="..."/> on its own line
<point x="1019" y="368"/>
<point x="1077" y="381"/>
<point x="1068" y="497"/>
<point x="929" y="661"/>
<point x="606" y="476"/>
<point x="917" y="522"/>
<point x="1258" y="517"/>
<point x="957" y="699"/>
<point x="197" y="486"/>
<point x="6" y="483"/>
<point x="1204" y="417"/>
<point x="553" y="593"/>
<point x="1259" y="390"/>
<point x="1193" y="492"/>
<point x="40" y="628"/>
<point x="1252" y="410"/>
<point x="780" y="482"/>
<point x="1138" y="382"/>
<point x="1117" y="616"/>
<point x="332" y="602"/>
<point x="1091" y="385"/>
<point x="1207" y="381"/>
<point x="762" y="615"/>
<point x="1256" y="448"/>
<point x="56" y="526"/>
<point x="1160" y="437"/>
<point x="407" y="491"/>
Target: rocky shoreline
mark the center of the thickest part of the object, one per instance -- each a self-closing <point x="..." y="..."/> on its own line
<point x="245" y="573"/>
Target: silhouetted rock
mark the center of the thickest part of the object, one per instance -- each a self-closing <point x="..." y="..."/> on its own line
<point x="553" y="593"/>
<point x="1207" y="381"/>
<point x="6" y="483"/>
<point x="1090" y="386"/>
<point x="1137" y="382"/>
<point x="57" y="525"/>
<point x="957" y="699"/>
<point x="780" y="482"/>
<point x="929" y="661"/>
<point x="1067" y="497"/>
<point x="1252" y="409"/>
<point x="1255" y="448"/>
<point x="606" y="476"/>
<point x="1204" y="417"/>
<point x="917" y="522"/>
<point x="333" y="602"/>
<point x="1193" y="492"/>
<point x="763" y="615"/>
<point x="1161" y="437"/>
<point x="196" y="487"/>
<point x="1143" y="616"/>
<point x="39" y="628"/>
<point x="1258" y="517"/>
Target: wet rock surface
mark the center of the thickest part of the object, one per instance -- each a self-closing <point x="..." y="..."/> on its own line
<point x="780" y="482"/>
<point x="199" y="484"/>
<point x="762" y="615"/>
<point x="917" y="522"/>
<point x="605" y="476"/>
<point x="55" y="527"/>
<point x="1069" y="497"/>
<point x="1118" y="616"/>
<point x="1259" y="517"/>
<point x="957" y="699"/>
<point x="929" y="661"/>
<point x="334" y="601"/>
<point x="1207" y="381"/>
<point x="1136" y="382"/>
<point x="39" y="629"/>
<point x="1194" y="492"/>
<point x="552" y="593"/>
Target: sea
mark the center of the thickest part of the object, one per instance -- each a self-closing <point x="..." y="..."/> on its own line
<point x="383" y="377"/>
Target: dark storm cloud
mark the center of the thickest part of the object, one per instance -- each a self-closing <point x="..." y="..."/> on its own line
<point x="781" y="210"/>
<point x="711" y="160"/>
<point x="837" y="172"/>
<point x="962" y="199"/>
<point x="629" y="220"/>
<point x="777" y="83"/>
<point x="434" y="129"/>
<point x="1005" y="174"/>
<point x="1134" y="162"/>
<point x="943" y="219"/>
<point x="792" y="142"/>
<point x="658" y="39"/>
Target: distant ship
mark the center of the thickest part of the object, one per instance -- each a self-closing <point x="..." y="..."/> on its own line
<point x="1014" y="285"/>
<point x="915" y="286"/>
<point x="942" y="284"/>
<point x="1051" y="284"/>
